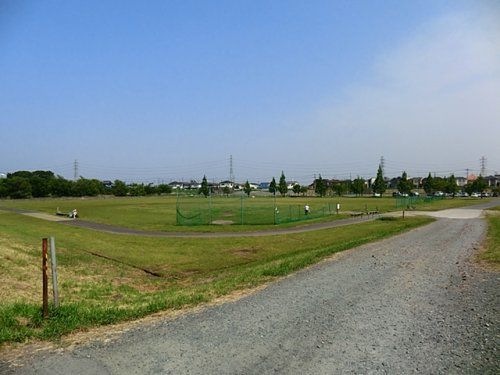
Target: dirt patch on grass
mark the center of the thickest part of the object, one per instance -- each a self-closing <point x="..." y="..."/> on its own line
<point x="223" y="222"/>
<point x="244" y="252"/>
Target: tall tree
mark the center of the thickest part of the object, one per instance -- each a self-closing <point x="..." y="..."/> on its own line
<point x="429" y="184"/>
<point x="404" y="186"/>
<point x="451" y="185"/>
<point x="379" y="186"/>
<point x="296" y="189"/>
<point x="320" y="186"/>
<point x="479" y="185"/>
<point x="272" y="186"/>
<point x="282" y="186"/>
<point x="358" y="186"/>
<point x="204" y="187"/>
<point x="469" y="188"/>
<point x="247" y="188"/>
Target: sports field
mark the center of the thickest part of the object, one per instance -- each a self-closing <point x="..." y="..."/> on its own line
<point x="159" y="213"/>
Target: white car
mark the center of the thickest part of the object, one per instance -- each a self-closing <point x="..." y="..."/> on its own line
<point x="475" y="195"/>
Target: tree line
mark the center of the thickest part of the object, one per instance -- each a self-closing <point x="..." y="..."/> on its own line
<point x="40" y="184"/>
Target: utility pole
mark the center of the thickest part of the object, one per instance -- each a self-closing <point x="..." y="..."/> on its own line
<point x="75" y="170"/>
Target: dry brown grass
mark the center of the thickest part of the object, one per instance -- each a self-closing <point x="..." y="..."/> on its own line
<point x="18" y="265"/>
<point x="20" y="273"/>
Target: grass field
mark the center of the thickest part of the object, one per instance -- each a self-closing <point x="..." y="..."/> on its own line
<point x="159" y="213"/>
<point x="492" y="253"/>
<point x="107" y="278"/>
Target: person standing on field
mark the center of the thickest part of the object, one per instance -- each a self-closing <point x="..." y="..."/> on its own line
<point x="306" y="209"/>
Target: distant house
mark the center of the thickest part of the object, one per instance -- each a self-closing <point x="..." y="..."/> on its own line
<point x="416" y="181"/>
<point x="291" y="184"/>
<point x="226" y="184"/>
<point x="179" y="185"/>
<point x="493" y="181"/>
<point x="264" y="186"/>
<point x="328" y="182"/>
<point x="371" y="181"/>
<point x="254" y="185"/>
<point x="471" y="177"/>
<point x="461" y="181"/>
<point x="393" y="183"/>
<point x="194" y="185"/>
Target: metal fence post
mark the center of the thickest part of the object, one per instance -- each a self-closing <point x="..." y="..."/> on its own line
<point x="45" y="292"/>
<point x="54" y="270"/>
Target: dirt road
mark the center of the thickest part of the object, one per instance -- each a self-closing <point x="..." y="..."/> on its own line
<point x="414" y="303"/>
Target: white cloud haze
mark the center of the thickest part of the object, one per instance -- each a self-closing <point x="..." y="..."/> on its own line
<point x="432" y="101"/>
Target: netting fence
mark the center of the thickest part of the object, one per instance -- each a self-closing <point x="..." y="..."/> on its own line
<point x="244" y="210"/>
<point x="412" y="202"/>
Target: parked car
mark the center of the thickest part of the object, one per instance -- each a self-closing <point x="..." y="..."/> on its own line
<point x="475" y="195"/>
<point x="376" y="194"/>
<point x="398" y="194"/>
<point x="414" y="194"/>
<point x="439" y="194"/>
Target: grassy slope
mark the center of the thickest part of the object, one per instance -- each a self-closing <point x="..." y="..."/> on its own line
<point x="96" y="291"/>
<point x="158" y="213"/>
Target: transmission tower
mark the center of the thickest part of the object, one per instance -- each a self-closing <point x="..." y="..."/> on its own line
<point x="75" y="170"/>
<point x="231" y="171"/>
<point x="483" y="165"/>
<point x="382" y="164"/>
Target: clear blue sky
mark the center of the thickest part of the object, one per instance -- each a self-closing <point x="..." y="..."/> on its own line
<point x="169" y="89"/>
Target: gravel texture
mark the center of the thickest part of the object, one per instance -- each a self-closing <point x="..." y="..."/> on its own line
<point x="414" y="303"/>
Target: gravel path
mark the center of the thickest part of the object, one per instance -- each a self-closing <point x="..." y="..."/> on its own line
<point x="410" y="304"/>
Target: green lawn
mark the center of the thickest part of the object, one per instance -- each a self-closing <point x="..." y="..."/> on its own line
<point x="103" y="279"/>
<point x="159" y="213"/>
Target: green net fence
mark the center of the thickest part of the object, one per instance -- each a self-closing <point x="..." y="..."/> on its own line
<point x="243" y="210"/>
<point x="412" y="202"/>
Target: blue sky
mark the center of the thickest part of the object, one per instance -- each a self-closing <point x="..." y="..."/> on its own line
<point x="163" y="90"/>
